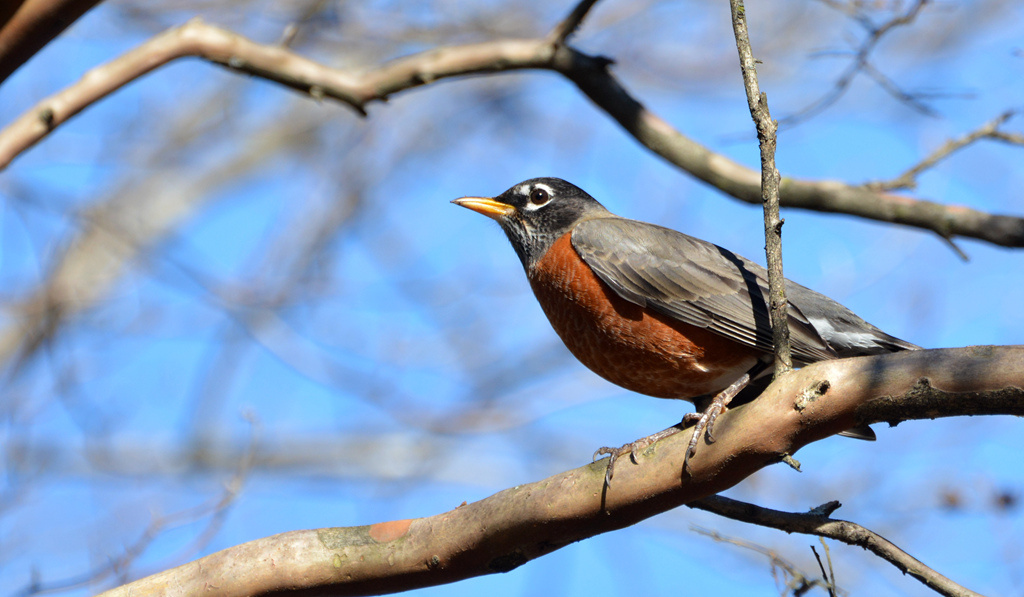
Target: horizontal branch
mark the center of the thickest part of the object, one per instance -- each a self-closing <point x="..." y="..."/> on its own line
<point x="512" y="527"/>
<point x="589" y="73"/>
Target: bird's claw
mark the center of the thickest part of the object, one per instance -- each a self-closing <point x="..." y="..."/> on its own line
<point x="613" y="455"/>
<point x="633" y="449"/>
<point x="704" y="424"/>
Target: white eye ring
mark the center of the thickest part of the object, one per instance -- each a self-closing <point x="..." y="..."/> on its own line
<point x="539" y="196"/>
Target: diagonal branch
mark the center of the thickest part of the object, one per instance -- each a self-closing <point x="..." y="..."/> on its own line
<point x="112" y="235"/>
<point x="799" y="584"/>
<point x="818" y="522"/>
<point x="989" y="130"/>
<point x="589" y="73"/>
<point x="560" y="34"/>
<point x="26" y="26"/>
<point x="514" y="526"/>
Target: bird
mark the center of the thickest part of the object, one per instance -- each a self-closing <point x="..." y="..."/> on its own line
<point x="659" y="312"/>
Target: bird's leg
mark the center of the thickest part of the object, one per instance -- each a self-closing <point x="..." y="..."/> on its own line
<point x="706" y="420"/>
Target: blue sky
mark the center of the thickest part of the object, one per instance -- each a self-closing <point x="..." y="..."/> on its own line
<point x="384" y="370"/>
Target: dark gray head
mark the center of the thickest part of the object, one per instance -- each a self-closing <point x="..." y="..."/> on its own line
<point x="537" y="212"/>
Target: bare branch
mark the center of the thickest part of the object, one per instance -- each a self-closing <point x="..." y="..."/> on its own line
<point x="1013" y="138"/>
<point x="561" y="33"/>
<point x="215" y="509"/>
<point x="742" y="183"/>
<point x="989" y="130"/>
<point x="195" y="38"/>
<point x="27" y="26"/>
<point x="860" y="63"/>
<point x="817" y="523"/>
<point x="829" y="575"/>
<point x="510" y="528"/>
<point x="589" y="73"/>
<point x="113" y="234"/>
<point x="766" y="135"/>
<point x="800" y="583"/>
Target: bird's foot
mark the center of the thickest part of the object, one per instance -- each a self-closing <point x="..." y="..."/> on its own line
<point x="632" y="448"/>
<point x="705" y="421"/>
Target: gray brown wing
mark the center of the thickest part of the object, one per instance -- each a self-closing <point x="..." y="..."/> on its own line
<point x="691" y="280"/>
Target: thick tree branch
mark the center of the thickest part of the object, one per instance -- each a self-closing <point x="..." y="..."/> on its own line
<point x="27" y="26"/>
<point x="589" y="73"/>
<point x="510" y="528"/>
<point x="818" y="522"/>
<point x="778" y="306"/>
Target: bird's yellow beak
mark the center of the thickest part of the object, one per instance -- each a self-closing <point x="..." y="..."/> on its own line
<point x="496" y="210"/>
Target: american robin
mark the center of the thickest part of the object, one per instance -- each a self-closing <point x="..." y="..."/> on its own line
<point x="659" y="312"/>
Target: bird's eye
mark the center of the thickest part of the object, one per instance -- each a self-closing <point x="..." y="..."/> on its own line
<point x="539" y="196"/>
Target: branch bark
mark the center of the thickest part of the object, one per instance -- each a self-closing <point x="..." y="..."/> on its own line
<point x="589" y="73"/>
<point x="514" y="526"/>
<point x="27" y="26"/>
<point x="778" y="306"/>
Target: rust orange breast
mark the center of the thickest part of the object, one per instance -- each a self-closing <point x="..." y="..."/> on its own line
<point x="629" y="345"/>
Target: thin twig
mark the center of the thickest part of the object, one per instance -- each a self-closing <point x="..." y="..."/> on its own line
<point x="860" y="62"/>
<point x="955" y="247"/>
<point x="766" y="136"/>
<point x="561" y="33"/>
<point x="850" y="533"/>
<point x="989" y="130"/>
<point x="1014" y="138"/>
<point x="828" y="575"/>
<point x="215" y="509"/>
<point x="800" y="583"/>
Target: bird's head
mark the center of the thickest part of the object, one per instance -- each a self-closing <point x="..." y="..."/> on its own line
<point x="537" y="212"/>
